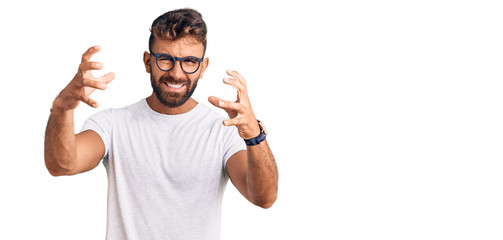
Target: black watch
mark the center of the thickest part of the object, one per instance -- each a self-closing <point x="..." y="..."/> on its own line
<point x="259" y="138"/>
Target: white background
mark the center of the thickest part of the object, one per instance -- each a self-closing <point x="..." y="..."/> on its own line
<point x="385" y="117"/>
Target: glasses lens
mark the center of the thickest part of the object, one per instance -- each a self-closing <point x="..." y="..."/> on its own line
<point x="165" y="62"/>
<point x="190" y="64"/>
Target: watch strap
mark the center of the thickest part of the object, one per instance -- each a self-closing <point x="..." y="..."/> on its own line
<point x="255" y="140"/>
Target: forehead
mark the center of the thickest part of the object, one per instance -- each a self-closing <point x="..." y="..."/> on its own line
<point x="183" y="47"/>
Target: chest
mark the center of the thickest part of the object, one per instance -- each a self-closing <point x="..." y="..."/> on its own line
<point x="184" y="156"/>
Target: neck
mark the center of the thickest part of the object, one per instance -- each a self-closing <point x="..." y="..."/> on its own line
<point x="157" y="106"/>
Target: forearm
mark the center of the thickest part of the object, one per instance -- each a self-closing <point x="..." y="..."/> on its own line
<point x="255" y="176"/>
<point x="66" y="153"/>
<point x="59" y="144"/>
<point x="262" y="175"/>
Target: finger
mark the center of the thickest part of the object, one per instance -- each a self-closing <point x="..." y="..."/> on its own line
<point x="214" y="100"/>
<point x="217" y="102"/>
<point x="107" y="78"/>
<point x="242" y="95"/>
<point x="90" y="52"/>
<point x="236" y="75"/>
<point x="86" y="82"/>
<point x="233" y="122"/>
<point x="89" y="101"/>
<point x="227" y="105"/>
<point x="86" y="66"/>
<point x="235" y="83"/>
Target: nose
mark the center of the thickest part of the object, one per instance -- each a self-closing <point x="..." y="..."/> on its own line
<point x="177" y="71"/>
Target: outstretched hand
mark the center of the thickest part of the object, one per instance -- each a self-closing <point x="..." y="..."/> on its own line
<point x="240" y="111"/>
<point x="84" y="83"/>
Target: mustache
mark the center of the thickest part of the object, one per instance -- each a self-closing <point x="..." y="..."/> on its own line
<point x="173" y="80"/>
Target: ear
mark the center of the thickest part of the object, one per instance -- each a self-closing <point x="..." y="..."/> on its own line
<point x="204" y="65"/>
<point x="146" y="61"/>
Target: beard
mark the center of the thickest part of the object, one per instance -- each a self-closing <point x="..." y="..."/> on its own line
<point x="172" y="99"/>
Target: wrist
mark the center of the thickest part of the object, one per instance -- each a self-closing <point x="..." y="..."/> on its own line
<point x="58" y="107"/>
<point x="258" y="137"/>
<point x="253" y="133"/>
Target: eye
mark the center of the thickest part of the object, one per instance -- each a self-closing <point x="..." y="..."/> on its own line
<point x="190" y="60"/>
<point x="165" y="58"/>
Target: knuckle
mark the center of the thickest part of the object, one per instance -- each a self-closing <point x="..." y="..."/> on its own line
<point x="79" y="82"/>
<point x="80" y="97"/>
<point x="82" y="93"/>
<point x="83" y="67"/>
<point x="83" y="81"/>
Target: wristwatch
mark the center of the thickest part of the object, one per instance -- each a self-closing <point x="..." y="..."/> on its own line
<point x="259" y="138"/>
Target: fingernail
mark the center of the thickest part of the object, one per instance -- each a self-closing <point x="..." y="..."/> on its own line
<point x="220" y="103"/>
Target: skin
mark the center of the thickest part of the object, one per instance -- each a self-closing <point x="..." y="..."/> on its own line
<point x="181" y="48"/>
<point x="66" y="153"/>
<point x="252" y="171"/>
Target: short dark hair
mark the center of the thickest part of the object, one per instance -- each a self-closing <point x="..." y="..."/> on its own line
<point x="177" y="24"/>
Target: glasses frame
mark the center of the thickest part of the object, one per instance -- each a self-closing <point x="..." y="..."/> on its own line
<point x="199" y="60"/>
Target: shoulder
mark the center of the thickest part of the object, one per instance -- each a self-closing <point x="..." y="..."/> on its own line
<point x="209" y="115"/>
<point x="213" y="120"/>
<point x="108" y="116"/>
<point x="135" y="108"/>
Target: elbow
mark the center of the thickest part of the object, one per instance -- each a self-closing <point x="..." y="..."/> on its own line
<point x="267" y="202"/>
<point x="56" y="173"/>
<point x="266" y="205"/>
<point x="56" y="169"/>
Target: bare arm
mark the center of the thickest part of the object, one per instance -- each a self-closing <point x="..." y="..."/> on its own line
<point x="255" y="174"/>
<point x="66" y="153"/>
<point x="254" y="171"/>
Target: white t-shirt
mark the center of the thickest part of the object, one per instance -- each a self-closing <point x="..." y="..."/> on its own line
<point x="166" y="173"/>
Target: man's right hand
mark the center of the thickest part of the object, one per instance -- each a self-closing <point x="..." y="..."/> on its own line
<point x="83" y="84"/>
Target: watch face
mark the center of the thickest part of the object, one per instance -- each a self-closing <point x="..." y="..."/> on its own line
<point x="262" y="127"/>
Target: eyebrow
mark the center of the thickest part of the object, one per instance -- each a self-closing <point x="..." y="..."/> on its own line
<point x="175" y="56"/>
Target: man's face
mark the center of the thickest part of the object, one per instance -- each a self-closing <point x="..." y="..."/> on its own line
<point x="175" y="87"/>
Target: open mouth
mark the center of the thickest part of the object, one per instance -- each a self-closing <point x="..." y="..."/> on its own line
<point x="174" y="87"/>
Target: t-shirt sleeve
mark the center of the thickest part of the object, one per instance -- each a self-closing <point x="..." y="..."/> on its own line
<point x="233" y="143"/>
<point x="101" y="123"/>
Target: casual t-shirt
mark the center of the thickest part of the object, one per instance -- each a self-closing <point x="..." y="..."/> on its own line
<point x="166" y="173"/>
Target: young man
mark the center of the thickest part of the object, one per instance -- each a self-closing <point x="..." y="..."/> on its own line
<point x="168" y="157"/>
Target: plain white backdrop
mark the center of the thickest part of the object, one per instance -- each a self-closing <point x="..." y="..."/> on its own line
<point x="385" y="117"/>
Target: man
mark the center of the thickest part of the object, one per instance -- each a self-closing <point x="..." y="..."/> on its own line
<point x="168" y="157"/>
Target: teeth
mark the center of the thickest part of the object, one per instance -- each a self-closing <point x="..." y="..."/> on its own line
<point x="174" y="86"/>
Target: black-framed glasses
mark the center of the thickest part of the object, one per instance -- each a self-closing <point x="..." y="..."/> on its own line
<point x="166" y="62"/>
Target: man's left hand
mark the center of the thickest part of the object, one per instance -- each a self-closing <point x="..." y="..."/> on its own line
<point x="240" y="111"/>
